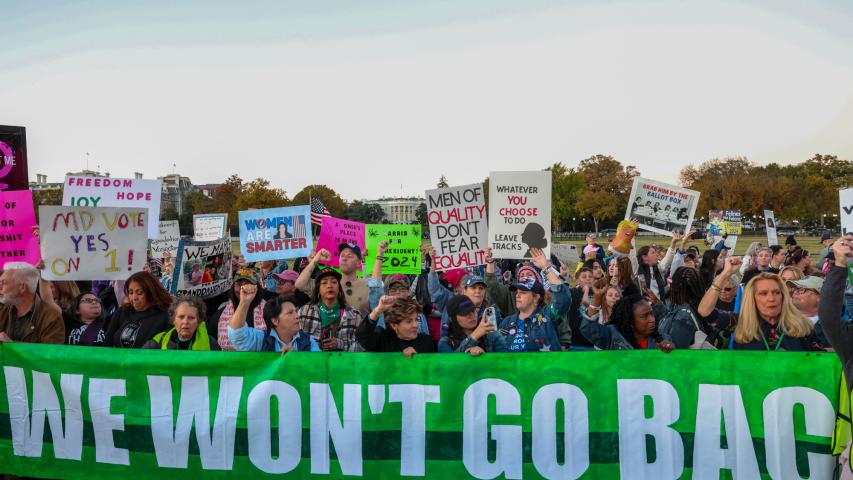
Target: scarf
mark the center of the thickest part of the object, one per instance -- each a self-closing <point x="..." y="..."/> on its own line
<point x="227" y="313"/>
<point x="329" y="315"/>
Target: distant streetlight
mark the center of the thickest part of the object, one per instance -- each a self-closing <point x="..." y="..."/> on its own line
<point x="573" y="224"/>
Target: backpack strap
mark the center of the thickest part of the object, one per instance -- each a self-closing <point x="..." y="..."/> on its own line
<point x="268" y="343"/>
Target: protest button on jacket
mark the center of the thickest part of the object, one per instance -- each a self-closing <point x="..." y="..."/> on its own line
<point x="540" y="328"/>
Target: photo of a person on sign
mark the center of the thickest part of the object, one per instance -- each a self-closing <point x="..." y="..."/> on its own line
<point x="534" y="237"/>
<point x="282" y="232"/>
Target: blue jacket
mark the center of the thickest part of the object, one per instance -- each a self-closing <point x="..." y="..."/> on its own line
<point x="494" y="341"/>
<point x="440" y="295"/>
<point x="539" y="330"/>
<point x="607" y="337"/>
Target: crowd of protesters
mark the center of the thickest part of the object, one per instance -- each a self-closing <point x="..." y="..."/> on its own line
<point x="678" y="297"/>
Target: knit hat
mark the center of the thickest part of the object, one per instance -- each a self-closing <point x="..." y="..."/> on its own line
<point x="454" y="276"/>
<point x="790" y="240"/>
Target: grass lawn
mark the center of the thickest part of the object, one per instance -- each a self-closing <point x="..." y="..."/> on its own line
<point x="812" y="244"/>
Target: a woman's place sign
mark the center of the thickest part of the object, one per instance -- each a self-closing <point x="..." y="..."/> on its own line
<point x="458" y="226"/>
<point x="115" y="192"/>
<point x="80" y="243"/>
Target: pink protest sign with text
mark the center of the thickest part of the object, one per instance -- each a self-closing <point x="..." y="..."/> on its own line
<point x="335" y="231"/>
<point x="18" y="239"/>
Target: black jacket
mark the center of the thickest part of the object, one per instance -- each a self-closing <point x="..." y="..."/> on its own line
<point x="378" y="339"/>
<point x="151" y="322"/>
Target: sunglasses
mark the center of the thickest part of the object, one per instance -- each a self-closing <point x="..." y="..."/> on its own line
<point x="349" y="287"/>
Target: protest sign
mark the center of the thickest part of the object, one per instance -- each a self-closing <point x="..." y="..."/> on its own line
<point x="115" y="192"/>
<point x="18" y="242"/>
<point x="85" y="243"/>
<point x="202" y="268"/>
<point x="457" y="226"/>
<point x="519" y="213"/>
<point x="725" y="222"/>
<point x="167" y="239"/>
<point x="335" y="231"/>
<point x="770" y="224"/>
<point x="846" y="199"/>
<point x="638" y="414"/>
<point x="275" y="233"/>
<point x="13" y="158"/>
<point x="210" y="226"/>
<point x="661" y="207"/>
<point x="404" y="248"/>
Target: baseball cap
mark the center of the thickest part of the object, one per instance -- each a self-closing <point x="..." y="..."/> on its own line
<point x="459" y="305"/>
<point x="396" y="278"/>
<point x="327" y="272"/>
<point x="826" y="236"/>
<point x="529" y="285"/>
<point x="590" y="236"/>
<point x="472" y="280"/>
<point x="247" y="274"/>
<point x="355" y="249"/>
<point x="287" y="275"/>
<point x="812" y="282"/>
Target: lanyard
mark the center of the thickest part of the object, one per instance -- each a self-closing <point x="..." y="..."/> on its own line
<point x="778" y="344"/>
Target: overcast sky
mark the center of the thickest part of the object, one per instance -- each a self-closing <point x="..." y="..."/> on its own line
<point x="369" y="96"/>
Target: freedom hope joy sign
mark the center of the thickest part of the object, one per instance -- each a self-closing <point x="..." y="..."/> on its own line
<point x="115" y="192"/>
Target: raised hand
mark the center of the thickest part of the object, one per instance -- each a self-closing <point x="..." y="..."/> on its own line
<point x="247" y="293"/>
<point x="538" y="258"/>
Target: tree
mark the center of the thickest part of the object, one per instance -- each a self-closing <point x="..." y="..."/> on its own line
<point x="442" y="182"/>
<point x="829" y="167"/>
<point x="607" y="184"/>
<point x="421" y="215"/>
<point x="566" y="186"/>
<point x="169" y="213"/>
<point x="51" y="196"/>
<point x="194" y="203"/>
<point x="258" y="194"/>
<point x="359" y="211"/>
<point x="329" y="197"/>
<point x="225" y="198"/>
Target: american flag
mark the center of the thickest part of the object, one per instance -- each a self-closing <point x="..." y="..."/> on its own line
<point x="298" y="223"/>
<point x="318" y="211"/>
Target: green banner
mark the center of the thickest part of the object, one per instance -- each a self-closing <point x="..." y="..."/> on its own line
<point x="86" y="412"/>
<point x="404" y="248"/>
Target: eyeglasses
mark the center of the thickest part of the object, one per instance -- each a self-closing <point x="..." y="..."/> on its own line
<point x="90" y="300"/>
<point x="802" y="291"/>
<point x="398" y="289"/>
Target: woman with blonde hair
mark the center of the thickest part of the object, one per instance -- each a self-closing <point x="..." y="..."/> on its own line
<point x="791" y="273"/>
<point x="768" y="319"/>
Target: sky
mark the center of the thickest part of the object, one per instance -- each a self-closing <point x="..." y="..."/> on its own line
<point x="381" y="98"/>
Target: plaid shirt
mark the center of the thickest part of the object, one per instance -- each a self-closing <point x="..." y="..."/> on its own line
<point x="309" y="320"/>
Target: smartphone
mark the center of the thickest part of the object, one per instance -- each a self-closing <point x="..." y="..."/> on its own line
<point x="328" y="333"/>
<point x="492" y="317"/>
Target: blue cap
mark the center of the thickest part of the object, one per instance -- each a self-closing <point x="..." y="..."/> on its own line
<point x="474" y="280"/>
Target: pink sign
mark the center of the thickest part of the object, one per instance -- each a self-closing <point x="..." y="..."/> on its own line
<point x="335" y="231"/>
<point x="19" y="241"/>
